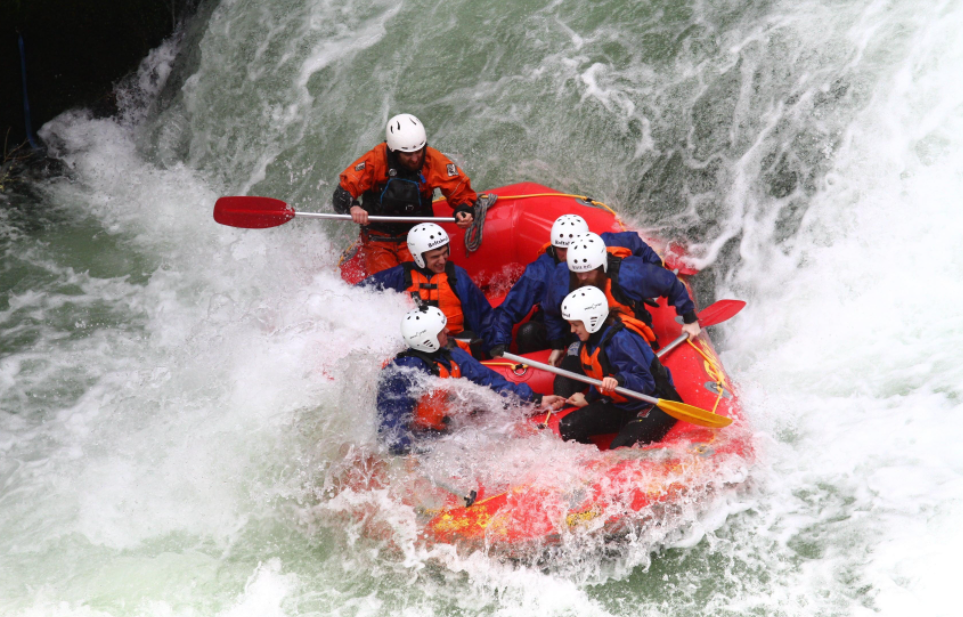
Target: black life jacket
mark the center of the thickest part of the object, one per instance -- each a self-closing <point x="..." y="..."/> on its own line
<point x="401" y="194"/>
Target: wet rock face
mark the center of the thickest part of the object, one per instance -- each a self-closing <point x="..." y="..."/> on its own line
<point x="75" y="50"/>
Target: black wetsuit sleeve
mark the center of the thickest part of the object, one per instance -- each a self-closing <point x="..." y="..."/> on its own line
<point x="343" y="200"/>
<point x="469" y="208"/>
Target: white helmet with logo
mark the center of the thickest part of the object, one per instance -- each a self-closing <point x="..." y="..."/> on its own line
<point x="587" y="253"/>
<point x="566" y="228"/>
<point x="425" y="237"/>
<point x="588" y="305"/>
<point x="420" y="328"/>
<point x="405" y="133"/>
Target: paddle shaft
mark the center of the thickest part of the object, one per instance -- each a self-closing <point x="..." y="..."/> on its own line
<point x="715" y="313"/>
<point x="469" y="497"/>
<point x="583" y="378"/>
<point x="377" y="219"/>
<point x="682" y="338"/>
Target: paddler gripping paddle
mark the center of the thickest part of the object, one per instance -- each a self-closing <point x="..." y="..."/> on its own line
<point x="679" y="411"/>
<point x="250" y="212"/>
<point x="714" y="314"/>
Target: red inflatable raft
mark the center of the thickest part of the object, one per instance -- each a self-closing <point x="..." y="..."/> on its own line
<point x="616" y="490"/>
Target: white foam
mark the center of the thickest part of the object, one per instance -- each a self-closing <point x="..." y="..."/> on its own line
<point x="185" y="433"/>
<point x="857" y="343"/>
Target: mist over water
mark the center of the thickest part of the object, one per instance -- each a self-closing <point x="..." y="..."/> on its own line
<point x="175" y="395"/>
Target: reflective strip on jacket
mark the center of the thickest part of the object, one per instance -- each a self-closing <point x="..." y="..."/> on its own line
<point x="371" y="175"/>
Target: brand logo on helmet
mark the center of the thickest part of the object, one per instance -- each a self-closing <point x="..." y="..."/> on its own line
<point x="436" y="243"/>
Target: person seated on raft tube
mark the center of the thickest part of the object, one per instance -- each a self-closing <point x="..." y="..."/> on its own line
<point x="433" y="280"/>
<point x="528" y="291"/>
<point x="404" y="415"/>
<point x="398" y="178"/>
<point x="615" y="352"/>
<point x="627" y="283"/>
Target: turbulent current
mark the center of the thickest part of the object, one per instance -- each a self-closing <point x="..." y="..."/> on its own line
<point x="174" y="394"/>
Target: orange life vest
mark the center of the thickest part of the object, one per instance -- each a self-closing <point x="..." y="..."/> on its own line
<point x="627" y="314"/>
<point x="436" y="290"/>
<point x="631" y="311"/>
<point x="544" y="249"/>
<point x="596" y="365"/>
<point x="432" y="410"/>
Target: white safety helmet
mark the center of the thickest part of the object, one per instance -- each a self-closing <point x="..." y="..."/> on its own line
<point x="586" y="304"/>
<point x="587" y="253"/>
<point x="425" y="237"/>
<point x="420" y="328"/>
<point x="566" y="228"/>
<point x="405" y="133"/>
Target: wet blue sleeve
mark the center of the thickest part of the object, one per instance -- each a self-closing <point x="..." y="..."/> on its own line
<point x="396" y="403"/>
<point x="478" y="373"/>
<point x="556" y="327"/>
<point x="524" y="294"/>
<point x="392" y="278"/>
<point x="630" y="357"/>
<point x="475" y="306"/>
<point x="641" y="280"/>
<point x="633" y="242"/>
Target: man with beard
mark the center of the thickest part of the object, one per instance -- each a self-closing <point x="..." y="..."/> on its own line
<point x="397" y="178"/>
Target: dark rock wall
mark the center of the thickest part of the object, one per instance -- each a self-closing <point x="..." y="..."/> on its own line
<point x="75" y="51"/>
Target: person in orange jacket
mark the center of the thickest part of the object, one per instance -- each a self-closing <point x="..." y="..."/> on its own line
<point x="398" y="178"/>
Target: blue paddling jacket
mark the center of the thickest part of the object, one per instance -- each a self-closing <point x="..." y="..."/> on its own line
<point x="530" y="288"/>
<point x="623" y="354"/>
<point x="633" y="282"/>
<point x="399" y="391"/>
<point x="474" y="306"/>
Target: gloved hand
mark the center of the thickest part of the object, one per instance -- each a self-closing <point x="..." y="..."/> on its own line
<point x="497" y="351"/>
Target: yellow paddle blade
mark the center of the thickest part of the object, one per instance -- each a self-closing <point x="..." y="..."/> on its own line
<point x="693" y="415"/>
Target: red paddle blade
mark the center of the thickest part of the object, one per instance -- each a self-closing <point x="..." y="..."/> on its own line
<point x="252" y="212"/>
<point x="720" y="311"/>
